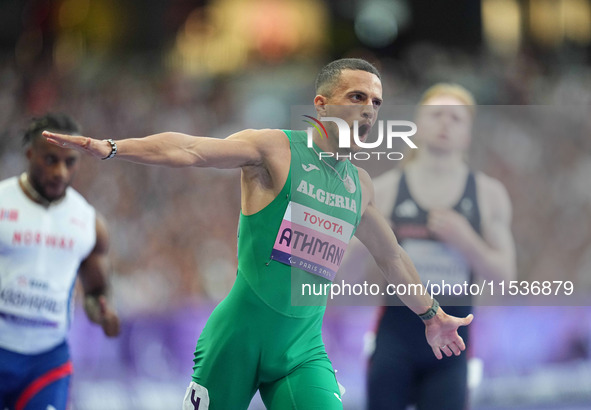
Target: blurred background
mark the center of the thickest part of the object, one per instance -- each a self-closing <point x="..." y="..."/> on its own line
<point x="129" y="68"/>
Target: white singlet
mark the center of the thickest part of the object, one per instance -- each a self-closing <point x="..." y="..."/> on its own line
<point x="40" y="252"/>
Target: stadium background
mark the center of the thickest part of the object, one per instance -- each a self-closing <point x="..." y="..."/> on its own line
<point x="129" y="68"/>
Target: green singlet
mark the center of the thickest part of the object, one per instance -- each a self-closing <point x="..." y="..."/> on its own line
<point x="264" y="335"/>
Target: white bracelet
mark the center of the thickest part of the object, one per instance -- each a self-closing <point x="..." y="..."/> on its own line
<point x="113" y="149"/>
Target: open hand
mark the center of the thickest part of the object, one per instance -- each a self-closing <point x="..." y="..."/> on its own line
<point x="91" y="146"/>
<point x="442" y="334"/>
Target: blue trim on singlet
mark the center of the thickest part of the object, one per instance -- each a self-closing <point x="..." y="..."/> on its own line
<point x="69" y="305"/>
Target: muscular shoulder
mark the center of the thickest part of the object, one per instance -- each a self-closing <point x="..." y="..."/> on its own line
<point x="367" y="188"/>
<point x="264" y="178"/>
<point x="386" y="190"/>
<point x="364" y="177"/>
<point x="490" y="187"/>
<point x="379" y="191"/>
<point x="266" y="141"/>
<point x="388" y="180"/>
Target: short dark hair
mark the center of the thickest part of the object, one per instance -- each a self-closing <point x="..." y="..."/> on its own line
<point x="330" y="73"/>
<point x="52" y="121"/>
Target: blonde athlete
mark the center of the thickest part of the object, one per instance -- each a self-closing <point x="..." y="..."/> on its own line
<point x="455" y="225"/>
<point x="255" y="338"/>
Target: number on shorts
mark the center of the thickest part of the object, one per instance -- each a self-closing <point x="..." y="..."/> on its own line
<point x="195" y="402"/>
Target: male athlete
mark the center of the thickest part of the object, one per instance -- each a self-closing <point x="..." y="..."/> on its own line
<point x="256" y="338"/>
<point x="455" y="225"/>
<point x="48" y="233"/>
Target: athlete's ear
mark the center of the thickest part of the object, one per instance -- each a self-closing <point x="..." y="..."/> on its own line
<point x="320" y="103"/>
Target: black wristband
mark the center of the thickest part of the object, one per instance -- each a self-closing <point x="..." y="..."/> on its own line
<point x="431" y="312"/>
<point x="113" y="149"/>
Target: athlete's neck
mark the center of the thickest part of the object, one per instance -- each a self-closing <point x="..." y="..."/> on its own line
<point x="325" y="144"/>
<point x="440" y="164"/>
<point x="32" y="193"/>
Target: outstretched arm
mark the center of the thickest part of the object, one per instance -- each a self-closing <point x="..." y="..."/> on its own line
<point x="93" y="276"/>
<point x="375" y="233"/>
<point x="174" y="149"/>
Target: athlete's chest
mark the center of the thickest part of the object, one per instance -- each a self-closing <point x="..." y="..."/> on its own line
<point x="435" y="193"/>
<point x="321" y="216"/>
<point x="328" y="186"/>
<point x="30" y="229"/>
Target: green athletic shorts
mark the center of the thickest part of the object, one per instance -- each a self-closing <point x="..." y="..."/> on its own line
<point x="247" y="345"/>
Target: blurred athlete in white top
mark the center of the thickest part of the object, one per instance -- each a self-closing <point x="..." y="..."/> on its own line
<point x="48" y="235"/>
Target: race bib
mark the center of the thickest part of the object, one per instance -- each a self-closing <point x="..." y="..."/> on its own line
<point x="32" y="301"/>
<point x="311" y="240"/>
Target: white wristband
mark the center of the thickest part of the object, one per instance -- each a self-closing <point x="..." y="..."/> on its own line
<point x="113" y="149"/>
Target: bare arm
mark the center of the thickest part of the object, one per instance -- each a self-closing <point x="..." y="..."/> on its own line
<point x="375" y="233"/>
<point x="93" y="277"/>
<point x="174" y="149"/>
<point x="263" y="155"/>
<point x="386" y="191"/>
<point x="494" y="258"/>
